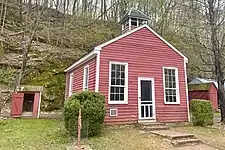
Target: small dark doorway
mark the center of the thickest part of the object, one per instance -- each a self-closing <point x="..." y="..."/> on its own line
<point x="28" y="102"/>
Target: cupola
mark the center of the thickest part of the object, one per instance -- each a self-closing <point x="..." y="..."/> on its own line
<point x="133" y="19"/>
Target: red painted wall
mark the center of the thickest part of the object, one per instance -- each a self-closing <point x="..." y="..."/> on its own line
<point x="78" y="77"/>
<point x="146" y="55"/>
<point x="198" y="95"/>
<point x="211" y="95"/>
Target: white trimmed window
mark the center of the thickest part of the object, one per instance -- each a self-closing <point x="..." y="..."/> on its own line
<point x="118" y="83"/>
<point x="171" y="85"/>
<point x="71" y="84"/>
<point x="85" y="78"/>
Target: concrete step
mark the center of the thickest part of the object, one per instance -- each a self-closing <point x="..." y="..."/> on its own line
<point x="153" y="128"/>
<point x="186" y="142"/>
<point x="173" y="135"/>
<point x="181" y="137"/>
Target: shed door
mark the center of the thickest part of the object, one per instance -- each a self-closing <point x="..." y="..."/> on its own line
<point x="36" y="105"/>
<point x="17" y="104"/>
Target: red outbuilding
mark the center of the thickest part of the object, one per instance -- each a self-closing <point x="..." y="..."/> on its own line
<point x="26" y="101"/>
<point x="141" y="75"/>
<point x="205" y="91"/>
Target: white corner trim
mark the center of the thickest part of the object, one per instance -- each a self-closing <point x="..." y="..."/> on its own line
<point x="186" y="88"/>
<point x="177" y="85"/>
<point x="39" y="106"/>
<point x="97" y="74"/>
<point x="126" y="83"/>
<point x="84" y="77"/>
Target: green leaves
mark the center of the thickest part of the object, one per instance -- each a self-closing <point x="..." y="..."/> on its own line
<point x="202" y="112"/>
<point x="93" y="112"/>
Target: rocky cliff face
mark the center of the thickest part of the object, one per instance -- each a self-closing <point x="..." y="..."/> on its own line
<point x="55" y="47"/>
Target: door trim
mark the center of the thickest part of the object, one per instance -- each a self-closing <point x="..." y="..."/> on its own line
<point x="153" y="97"/>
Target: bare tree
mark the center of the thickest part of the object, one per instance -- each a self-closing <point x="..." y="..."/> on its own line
<point x="207" y="26"/>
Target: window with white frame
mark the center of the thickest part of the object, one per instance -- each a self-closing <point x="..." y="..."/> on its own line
<point x="171" y="86"/>
<point x="85" y="78"/>
<point x="71" y="84"/>
<point x="118" y="83"/>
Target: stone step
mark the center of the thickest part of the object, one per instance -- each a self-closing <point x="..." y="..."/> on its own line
<point x="153" y="128"/>
<point x="186" y="142"/>
<point x="181" y="137"/>
<point x="173" y="135"/>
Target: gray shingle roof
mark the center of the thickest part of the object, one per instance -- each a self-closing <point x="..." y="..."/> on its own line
<point x="133" y="13"/>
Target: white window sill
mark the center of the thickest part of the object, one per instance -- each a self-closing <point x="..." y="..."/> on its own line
<point x="172" y="103"/>
<point x="117" y="102"/>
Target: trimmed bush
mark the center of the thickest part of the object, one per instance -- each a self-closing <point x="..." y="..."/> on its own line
<point x="202" y="112"/>
<point x="92" y="109"/>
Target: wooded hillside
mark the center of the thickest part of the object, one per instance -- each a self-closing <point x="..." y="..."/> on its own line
<point x="40" y="38"/>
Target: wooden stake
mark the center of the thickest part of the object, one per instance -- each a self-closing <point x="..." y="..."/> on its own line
<point x="79" y="131"/>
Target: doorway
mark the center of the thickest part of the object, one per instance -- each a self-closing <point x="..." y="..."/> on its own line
<point x="146" y="98"/>
<point x="28" y="103"/>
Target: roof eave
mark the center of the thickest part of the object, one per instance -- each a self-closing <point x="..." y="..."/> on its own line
<point x="82" y="60"/>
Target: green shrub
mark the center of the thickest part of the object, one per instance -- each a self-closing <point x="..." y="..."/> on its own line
<point x="202" y="112"/>
<point x="93" y="112"/>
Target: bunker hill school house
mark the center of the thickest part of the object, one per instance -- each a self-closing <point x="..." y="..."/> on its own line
<point x="141" y="75"/>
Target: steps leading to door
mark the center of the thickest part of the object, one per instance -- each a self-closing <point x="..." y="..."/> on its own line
<point x="178" y="138"/>
<point x="186" y="142"/>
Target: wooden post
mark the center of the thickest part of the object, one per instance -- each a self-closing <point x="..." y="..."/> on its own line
<point x="79" y="131"/>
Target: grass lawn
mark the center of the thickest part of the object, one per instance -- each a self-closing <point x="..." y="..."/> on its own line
<point x="212" y="137"/>
<point x="127" y="138"/>
<point x="41" y="134"/>
<point x="32" y="134"/>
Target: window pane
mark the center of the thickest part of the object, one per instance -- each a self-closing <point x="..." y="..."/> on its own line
<point x="113" y="67"/>
<point x="112" y="97"/>
<point x="117" y="81"/>
<point x="117" y="74"/>
<point x="121" y="97"/>
<point x="113" y="81"/>
<point x="122" y="67"/>
<point x="121" y="90"/>
<point x="112" y="90"/>
<point x="117" y="97"/>
<point x="173" y="72"/>
<point x="118" y="68"/>
<point x="122" y="74"/>
<point x="113" y="74"/>
<point x="117" y="89"/>
<point x="122" y="82"/>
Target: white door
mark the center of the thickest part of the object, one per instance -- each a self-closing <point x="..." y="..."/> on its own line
<point x="146" y="98"/>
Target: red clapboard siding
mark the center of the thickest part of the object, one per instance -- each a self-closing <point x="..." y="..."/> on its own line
<point x="17" y="104"/>
<point x="146" y="56"/>
<point x="210" y="94"/>
<point x="78" y="77"/>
